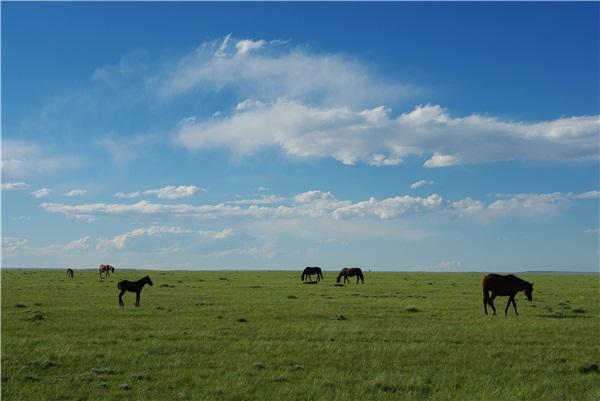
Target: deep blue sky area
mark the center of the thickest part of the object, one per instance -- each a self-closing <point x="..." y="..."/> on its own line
<point x="436" y="136"/>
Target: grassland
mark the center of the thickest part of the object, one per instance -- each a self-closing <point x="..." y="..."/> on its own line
<point x="265" y="336"/>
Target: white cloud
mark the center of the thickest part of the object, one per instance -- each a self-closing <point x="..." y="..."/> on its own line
<point x="319" y="204"/>
<point x="76" y="192"/>
<point x="272" y="69"/>
<point x="247" y="45"/>
<point x="40" y="193"/>
<point x="440" y="160"/>
<point x="588" y="195"/>
<point x="22" y="159"/>
<point x="167" y="192"/>
<point x="14" y="186"/>
<point x="81" y="243"/>
<point x="420" y="183"/>
<point x="592" y="231"/>
<point x="374" y="137"/>
<point x="450" y="265"/>
<point x="12" y="244"/>
<point x="120" y="241"/>
<point x="126" y="151"/>
<point x="263" y="200"/>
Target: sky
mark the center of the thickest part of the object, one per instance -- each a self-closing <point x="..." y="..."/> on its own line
<point x="389" y="136"/>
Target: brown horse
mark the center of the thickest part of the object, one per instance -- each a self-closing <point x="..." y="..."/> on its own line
<point x="350" y="272"/>
<point x="504" y="286"/>
<point x="106" y="269"/>
<point x="70" y="273"/>
<point x="309" y="271"/>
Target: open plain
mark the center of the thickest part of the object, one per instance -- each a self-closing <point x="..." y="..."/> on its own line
<point x="259" y="335"/>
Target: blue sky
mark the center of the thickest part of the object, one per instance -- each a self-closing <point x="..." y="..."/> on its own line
<point x="454" y="136"/>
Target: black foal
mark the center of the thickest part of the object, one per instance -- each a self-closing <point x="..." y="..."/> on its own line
<point x="132" y="286"/>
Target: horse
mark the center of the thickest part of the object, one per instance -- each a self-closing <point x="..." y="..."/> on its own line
<point x="70" y="273"/>
<point x="503" y="286"/>
<point x="350" y="272"/>
<point x="133" y="286"/>
<point x="309" y="271"/>
<point x="106" y="269"/>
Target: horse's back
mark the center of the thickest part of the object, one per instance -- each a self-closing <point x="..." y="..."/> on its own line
<point x="500" y="284"/>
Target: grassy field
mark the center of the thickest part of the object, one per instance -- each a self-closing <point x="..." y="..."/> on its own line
<point x="265" y="336"/>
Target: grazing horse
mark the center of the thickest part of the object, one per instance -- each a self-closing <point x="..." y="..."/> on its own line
<point x="349" y="272"/>
<point x="106" y="269"/>
<point x="70" y="273"/>
<point x="133" y="286"/>
<point x="309" y="271"/>
<point x="504" y="286"/>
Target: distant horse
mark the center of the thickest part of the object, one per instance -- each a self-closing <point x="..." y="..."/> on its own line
<point x="309" y="271"/>
<point x="350" y="272"/>
<point x="106" y="269"/>
<point x="504" y="286"/>
<point x="133" y="286"/>
<point x="70" y="273"/>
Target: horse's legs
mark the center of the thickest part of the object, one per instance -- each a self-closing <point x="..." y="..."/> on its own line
<point x="485" y="301"/>
<point x="491" y="302"/>
<point x="515" y="306"/>
<point x="510" y="299"/>
<point x="137" y="299"/>
<point x="121" y="303"/>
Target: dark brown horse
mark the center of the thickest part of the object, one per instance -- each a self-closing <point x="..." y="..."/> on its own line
<point x="70" y="273"/>
<point x="106" y="269"/>
<point x="350" y="272"/>
<point x="504" y="286"/>
<point x="133" y="286"/>
<point x="309" y="271"/>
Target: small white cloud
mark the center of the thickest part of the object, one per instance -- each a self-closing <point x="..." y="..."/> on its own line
<point x="119" y="242"/>
<point x="13" y="243"/>
<point x="40" y="193"/>
<point x="420" y="183"/>
<point x="81" y="243"/>
<point x="168" y="192"/>
<point x="248" y="104"/>
<point x="449" y="265"/>
<point x="588" y="195"/>
<point x="247" y="45"/>
<point x="440" y="160"/>
<point x="591" y="231"/>
<point x="14" y="186"/>
<point x="310" y="196"/>
<point x="76" y="192"/>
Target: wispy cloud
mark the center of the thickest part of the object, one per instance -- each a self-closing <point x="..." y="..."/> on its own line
<point x="120" y="241"/>
<point x="14" y="186"/>
<point x="12" y="244"/>
<point x="23" y="159"/>
<point x="81" y="243"/>
<point x="167" y="192"/>
<point x="41" y="193"/>
<point x="257" y="68"/>
<point x="76" y="192"/>
<point x="420" y="183"/>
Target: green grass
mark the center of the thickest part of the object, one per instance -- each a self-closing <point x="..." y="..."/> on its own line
<point x="407" y="336"/>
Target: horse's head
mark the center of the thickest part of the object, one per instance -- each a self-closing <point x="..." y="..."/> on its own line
<point x="148" y="280"/>
<point x="529" y="291"/>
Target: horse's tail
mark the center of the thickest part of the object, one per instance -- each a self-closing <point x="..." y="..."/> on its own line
<point x="119" y="285"/>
